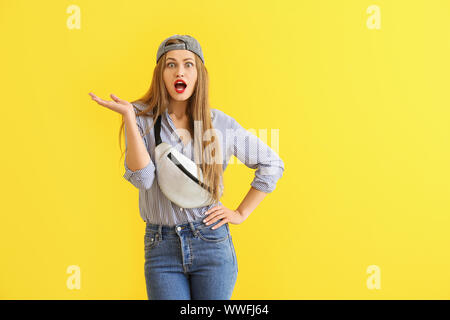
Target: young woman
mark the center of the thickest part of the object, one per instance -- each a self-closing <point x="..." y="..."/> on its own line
<point x="189" y="252"/>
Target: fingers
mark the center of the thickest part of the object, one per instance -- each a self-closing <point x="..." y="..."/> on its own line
<point x="224" y="220"/>
<point x="94" y="97"/>
<point x="212" y="210"/>
<point x="214" y="214"/>
<point x="214" y="217"/>
<point x="99" y="100"/>
<point x="211" y="213"/>
<point x="103" y="102"/>
<point x="116" y="98"/>
<point x="118" y="105"/>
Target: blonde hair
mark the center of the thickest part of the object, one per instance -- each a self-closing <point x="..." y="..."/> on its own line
<point x="198" y="109"/>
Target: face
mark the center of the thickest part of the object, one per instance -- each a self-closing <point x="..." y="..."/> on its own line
<point x="180" y="65"/>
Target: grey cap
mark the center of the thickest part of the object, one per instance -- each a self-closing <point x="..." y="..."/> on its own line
<point x="190" y="44"/>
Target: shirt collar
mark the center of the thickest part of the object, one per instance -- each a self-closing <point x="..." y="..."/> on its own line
<point x="168" y="118"/>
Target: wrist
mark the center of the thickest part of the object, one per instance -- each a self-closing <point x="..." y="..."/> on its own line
<point x="129" y="115"/>
<point x="241" y="214"/>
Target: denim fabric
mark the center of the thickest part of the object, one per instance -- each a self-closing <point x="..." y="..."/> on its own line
<point x="189" y="261"/>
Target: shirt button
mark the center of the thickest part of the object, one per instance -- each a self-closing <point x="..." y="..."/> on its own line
<point x="179" y="228"/>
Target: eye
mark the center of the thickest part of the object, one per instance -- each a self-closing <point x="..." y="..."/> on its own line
<point x="173" y="63"/>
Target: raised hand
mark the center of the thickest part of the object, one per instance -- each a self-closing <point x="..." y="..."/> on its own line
<point x="118" y="105"/>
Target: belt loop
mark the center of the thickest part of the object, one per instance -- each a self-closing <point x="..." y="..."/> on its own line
<point x="194" y="231"/>
<point x="160" y="231"/>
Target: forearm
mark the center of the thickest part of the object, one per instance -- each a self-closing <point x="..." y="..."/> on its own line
<point x="250" y="202"/>
<point x="137" y="156"/>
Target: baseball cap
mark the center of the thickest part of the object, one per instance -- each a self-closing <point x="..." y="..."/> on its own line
<point x="190" y="44"/>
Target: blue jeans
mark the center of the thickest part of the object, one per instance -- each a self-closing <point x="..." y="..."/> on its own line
<point x="189" y="261"/>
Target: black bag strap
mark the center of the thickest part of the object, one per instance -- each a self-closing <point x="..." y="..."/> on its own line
<point x="158" y="131"/>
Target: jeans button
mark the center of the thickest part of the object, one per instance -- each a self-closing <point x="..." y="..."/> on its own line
<point x="179" y="228"/>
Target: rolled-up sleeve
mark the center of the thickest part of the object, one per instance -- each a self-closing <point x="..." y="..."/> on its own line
<point x="256" y="154"/>
<point x="142" y="178"/>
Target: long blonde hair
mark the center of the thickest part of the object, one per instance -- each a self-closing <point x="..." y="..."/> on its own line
<point x="198" y="109"/>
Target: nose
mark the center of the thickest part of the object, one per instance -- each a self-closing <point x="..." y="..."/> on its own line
<point x="180" y="71"/>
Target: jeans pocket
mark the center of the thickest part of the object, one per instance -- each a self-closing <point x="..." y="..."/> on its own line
<point x="213" y="235"/>
<point x="151" y="240"/>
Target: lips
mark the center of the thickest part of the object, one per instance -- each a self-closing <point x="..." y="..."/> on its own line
<point x="180" y="85"/>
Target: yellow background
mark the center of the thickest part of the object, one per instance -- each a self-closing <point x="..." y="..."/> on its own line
<point x="364" y="128"/>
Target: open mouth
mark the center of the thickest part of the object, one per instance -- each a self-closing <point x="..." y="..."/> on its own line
<point x="180" y="87"/>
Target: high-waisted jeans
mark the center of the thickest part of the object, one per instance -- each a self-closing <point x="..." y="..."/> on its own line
<point x="189" y="261"/>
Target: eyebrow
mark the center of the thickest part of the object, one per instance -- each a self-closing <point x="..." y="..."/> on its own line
<point x="183" y="60"/>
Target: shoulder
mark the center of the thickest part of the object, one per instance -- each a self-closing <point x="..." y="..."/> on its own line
<point x="221" y="117"/>
<point x="216" y="113"/>
<point x="140" y="106"/>
<point x="224" y="120"/>
<point x="145" y="120"/>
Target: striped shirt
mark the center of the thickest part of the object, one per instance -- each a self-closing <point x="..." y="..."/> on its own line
<point x="155" y="207"/>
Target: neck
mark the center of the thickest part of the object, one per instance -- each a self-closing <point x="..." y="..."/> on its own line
<point x="177" y="109"/>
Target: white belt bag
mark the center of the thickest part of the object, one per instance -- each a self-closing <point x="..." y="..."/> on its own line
<point x="177" y="175"/>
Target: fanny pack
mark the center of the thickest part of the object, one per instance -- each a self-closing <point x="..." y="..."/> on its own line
<point x="177" y="175"/>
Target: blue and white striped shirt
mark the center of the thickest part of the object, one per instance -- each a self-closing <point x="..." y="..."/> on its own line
<point x="155" y="207"/>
